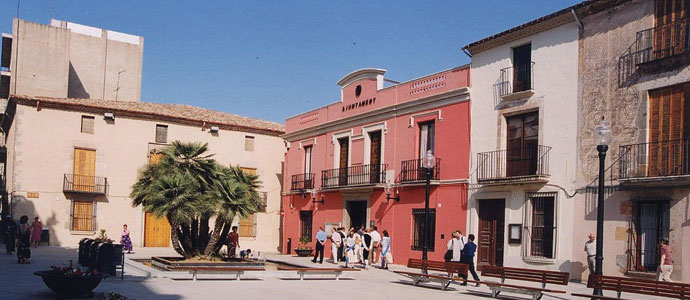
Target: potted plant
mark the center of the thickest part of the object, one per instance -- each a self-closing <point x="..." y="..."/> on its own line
<point x="70" y="282"/>
<point x="303" y="250"/>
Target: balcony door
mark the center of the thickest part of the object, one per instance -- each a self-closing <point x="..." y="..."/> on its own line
<point x="156" y="230"/>
<point x="670" y="30"/>
<point x="375" y="156"/>
<point x="307" y="168"/>
<point x="343" y="161"/>
<point x="669" y="130"/>
<point x="84" y="170"/>
<point x="522" y="145"/>
<point x="522" y="68"/>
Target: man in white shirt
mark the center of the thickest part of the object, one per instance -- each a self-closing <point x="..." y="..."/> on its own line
<point x="336" y="241"/>
<point x="591" y="251"/>
<point x="375" y="241"/>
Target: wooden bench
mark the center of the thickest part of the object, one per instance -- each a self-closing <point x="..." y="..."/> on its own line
<point x="540" y="276"/>
<point x="673" y="290"/>
<point x="450" y="268"/>
<point x="303" y="271"/>
<point x="237" y="271"/>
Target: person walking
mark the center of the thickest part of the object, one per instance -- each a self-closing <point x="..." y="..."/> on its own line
<point x="366" y="248"/>
<point x="375" y="244"/>
<point x="24" y="242"/>
<point x="666" y="263"/>
<point x="320" y="243"/>
<point x="125" y="240"/>
<point x="350" y="248"/>
<point x="453" y="249"/>
<point x="36" y="229"/>
<point x="591" y="251"/>
<point x="233" y="242"/>
<point x="468" y="258"/>
<point x="341" y="248"/>
<point x="10" y="234"/>
<point x="358" y="246"/>
<point x="386" y="254"/>
<point x="336" y="240"/>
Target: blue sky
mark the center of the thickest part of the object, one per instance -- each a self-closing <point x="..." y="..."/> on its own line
<point x="275" y="59"/>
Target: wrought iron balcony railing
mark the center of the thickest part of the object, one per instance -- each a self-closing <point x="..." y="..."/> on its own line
<point x="412" y="170"/>
<point x="655" y="159"/>
<point x="355" y="175"/>
<point x="654" y="44"/>
<point x="516" y="79"/>
<point x="302" y="181"/>
<point x="513" y="164"/>
<point x="94" y="185"/>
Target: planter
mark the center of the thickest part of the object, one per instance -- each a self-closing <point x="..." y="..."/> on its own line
<point x="70" y="286"/>
<point x="303" y="252"/>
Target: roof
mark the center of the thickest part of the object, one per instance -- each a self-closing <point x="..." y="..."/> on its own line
<point x="544" y="23"/>
<point x="177" y="113"/>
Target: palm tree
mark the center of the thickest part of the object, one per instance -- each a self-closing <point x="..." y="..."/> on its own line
<point x="190" y="189"/>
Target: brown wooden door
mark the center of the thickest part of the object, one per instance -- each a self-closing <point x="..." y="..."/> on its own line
<point x="668" y="129"/>
<point x="344" y="151"/>
<point x="84" y="170"/>
<point x="490" y="240"/>
<point x="522" y="145"/>
<point x="670" y="30"/>
<point x="157" y="231"/>
<point x="375" y="156"/>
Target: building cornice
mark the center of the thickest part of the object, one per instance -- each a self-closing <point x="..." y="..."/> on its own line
<point x="409" y="107"/>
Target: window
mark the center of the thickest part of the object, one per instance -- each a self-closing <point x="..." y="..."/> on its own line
<point x="543" y="227"/>
<point x="343" y="161"/>
<point x="308" y="180"/>
<point x="426" y="138"/>
<point x="250" y="171"/>
<point x="87" y="124"/>
<point x="84" y="170"/>
<point x="305" y="219"/>
<point x="651" y="221"/>
<point x="669" y="131"/>
<point x="418" y="220"/>
<point x="248" y="226"/>
<point x="670" y="36"/>
<point x="83" y="217"/>
<point x="248" y="143"/>
<point x="161" y="133"/>
<point x="522" y="144"/>
<point x="522" y="68"/>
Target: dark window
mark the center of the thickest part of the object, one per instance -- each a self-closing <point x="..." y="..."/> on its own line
<point x="305" y="219"/>
<point x="418" y="218"/>
<point x="358" y="91"/>
<point x="522" y="68"/>
<point x="343" y="162"/>
<point x="161" y="134"/>
<point x="87" y="124"/>
<point x="426" y="138"/>
<point x="651" y="221"/>
<point x="523" y="139"/>
<point x="543" y="224"/>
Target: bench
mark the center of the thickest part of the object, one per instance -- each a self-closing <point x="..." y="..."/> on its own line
<point x="238" y="272"/>
<point x="303" y="271"/>
<point x="674" y="290"/>
<point x="444" y="280"/>
<point x="540" y="276"/>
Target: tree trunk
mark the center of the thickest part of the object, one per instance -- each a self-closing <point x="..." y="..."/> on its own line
<point x="204" y="234"/>
<point x="223" y="236"/>
<point x="186" y="240"/>
<point x="175" y="239"/>
<point x="215" y="236"/>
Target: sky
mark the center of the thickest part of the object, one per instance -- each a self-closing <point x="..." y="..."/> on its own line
<point x="276" y="59"/>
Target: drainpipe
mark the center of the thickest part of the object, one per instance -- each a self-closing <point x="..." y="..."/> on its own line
<point x="577" y="19"/>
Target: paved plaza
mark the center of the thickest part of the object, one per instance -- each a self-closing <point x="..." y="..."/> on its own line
<point x="20" y="283"/>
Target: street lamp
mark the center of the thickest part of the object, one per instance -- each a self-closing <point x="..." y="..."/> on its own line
<point x="428" y="162"/>
<point x="602" y="137"/>
<point x="389" y="191"/>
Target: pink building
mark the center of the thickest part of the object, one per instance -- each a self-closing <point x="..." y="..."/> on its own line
<point x="348" y="161"/>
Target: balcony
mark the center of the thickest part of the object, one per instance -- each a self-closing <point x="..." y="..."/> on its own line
<point x="516" y="82"/>
<point x="83" y="184"/>
<point x="655" y="49"/>
<point x="664" y="163"/>
<point x="361" y="175"/>
<point x="527" y="165"/>
<point x="412" y="171"/>
<point x="301" y="182"/>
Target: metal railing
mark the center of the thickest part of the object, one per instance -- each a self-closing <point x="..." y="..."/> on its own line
<point x="75" y="183"/>
<point x="412" y="170"/>
<point x="652" y="44"/>
<point x="302" y="181"/>
<point x="655" y="159"/>
<point x="513" y="163"/>
<point x="355" y="175"/>
<point x="515" y="79"/>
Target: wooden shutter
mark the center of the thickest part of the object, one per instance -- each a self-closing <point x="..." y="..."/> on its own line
<point x="87" y="124"/>
<point x="248" y="226"/>
<point x="82" y="215"/>
<point x="155" y="157"/>
<point x="670" y="27"/>
<point x="84" y="170"/>
<point x="375" y="156"/>
<point x="248" y="143"/>
<point x="667" y="114"/>
<point x="161" y="134"/>
<point x="250" y="171"/>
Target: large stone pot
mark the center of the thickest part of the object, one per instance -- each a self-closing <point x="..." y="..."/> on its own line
<point x="68" y="286"/>
<point x="303" y="252"/>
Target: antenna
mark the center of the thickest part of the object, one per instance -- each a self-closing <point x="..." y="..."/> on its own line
<point x="18" y="1"/>
<point x="52" y="9"/>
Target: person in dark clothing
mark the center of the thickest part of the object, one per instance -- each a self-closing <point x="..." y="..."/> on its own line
<point x="366" y="248"/>
<point x="10" y="234"/>
<point x="468" y="258"/>
<point x="341" y="249"/>
<point x="320" y="243"/>
<point x="24" y="242"/>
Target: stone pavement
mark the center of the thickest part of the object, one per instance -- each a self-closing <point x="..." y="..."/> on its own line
<point x="18" y="282"/>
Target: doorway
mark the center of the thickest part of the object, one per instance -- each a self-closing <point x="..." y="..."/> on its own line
<point x="490" y="239"/>
<point x="356" y="213"/>
<point x="156" y="231"/>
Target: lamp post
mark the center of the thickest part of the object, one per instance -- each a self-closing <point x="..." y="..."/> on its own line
<point x="602" y="137"/>
<point x="428" y="162"/>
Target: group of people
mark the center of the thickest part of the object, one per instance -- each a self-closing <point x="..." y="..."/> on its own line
<point x="22" y="236"/>
<point x="363" y="246"/>
<point x="462" y="249"/>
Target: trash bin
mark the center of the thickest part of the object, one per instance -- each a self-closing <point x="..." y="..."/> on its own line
<point x="45" y="236"/>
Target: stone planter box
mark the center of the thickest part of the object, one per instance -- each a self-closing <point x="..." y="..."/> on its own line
<point x="303" y="252"/>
